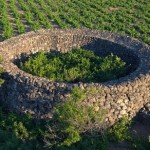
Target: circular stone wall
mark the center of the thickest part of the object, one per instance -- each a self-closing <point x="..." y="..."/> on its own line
<point x="25" y="93"/>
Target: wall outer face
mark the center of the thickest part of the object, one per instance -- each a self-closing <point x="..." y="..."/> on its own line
<point x="25" y="93"/>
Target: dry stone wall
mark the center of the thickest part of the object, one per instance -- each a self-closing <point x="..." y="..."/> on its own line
<point x="25" y="93"/>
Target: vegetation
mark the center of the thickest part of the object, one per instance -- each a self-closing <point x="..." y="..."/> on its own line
<point x="121" y="131"/>
<point x="130" y="17"/>
<point x="76" y="65"/>
<point x="74" y="117"/>
<point x="19" y="132"/>
<point x="73" y="123"/>
<point x="127" y="17"/>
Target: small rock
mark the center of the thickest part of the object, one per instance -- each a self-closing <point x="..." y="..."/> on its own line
<point x="94" y="100"/>
<point x="119" y="101"/>
<point x="123" y="112"/>
<point x="97" y="108"/>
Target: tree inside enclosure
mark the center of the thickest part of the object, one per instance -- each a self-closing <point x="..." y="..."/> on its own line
<point x="78" y="65"/>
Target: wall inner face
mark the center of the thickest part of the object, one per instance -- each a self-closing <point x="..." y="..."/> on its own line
<point x="25" y="93"/>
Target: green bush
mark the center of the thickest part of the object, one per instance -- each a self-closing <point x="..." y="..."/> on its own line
<point x="75" y="117"/>
<point x="76" y="65"/>
<point x="120" y="131"/>
<point x="20" y="132"/>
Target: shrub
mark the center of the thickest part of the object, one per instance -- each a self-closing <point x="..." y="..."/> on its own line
<point x="20" y="132"/>
<point x="120" y="131"/>
<point x="76" y="65"/>
<point x="73" y="117"/>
